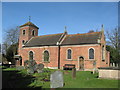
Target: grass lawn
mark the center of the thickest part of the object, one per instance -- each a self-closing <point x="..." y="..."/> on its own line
<point x="13" y="78"/>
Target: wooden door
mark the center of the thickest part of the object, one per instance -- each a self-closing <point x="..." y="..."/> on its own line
<point x="81" y="63"/>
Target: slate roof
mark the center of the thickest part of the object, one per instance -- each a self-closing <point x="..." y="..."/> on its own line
<point x="73" y="39"/>
<point x="45" y="40"/>
<point x="77" y="39"/>
<point x="29" y="24"/>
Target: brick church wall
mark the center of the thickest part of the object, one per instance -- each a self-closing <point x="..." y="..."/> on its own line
<point x="81" y="50"/>
<point x="38" y="55"/>
<point x="77" y="51"/>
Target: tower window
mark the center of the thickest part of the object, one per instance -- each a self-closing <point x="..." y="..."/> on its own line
<point x="23" y="32"/>
<point x="33" y="33"/>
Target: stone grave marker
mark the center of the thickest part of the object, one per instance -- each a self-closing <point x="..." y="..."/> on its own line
<point x="74" y="73"/>
<point x="56" y="79"/>
<point x="40" y="68"/>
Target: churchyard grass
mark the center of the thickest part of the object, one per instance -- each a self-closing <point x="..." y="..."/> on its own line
<point x="84" y="79"/>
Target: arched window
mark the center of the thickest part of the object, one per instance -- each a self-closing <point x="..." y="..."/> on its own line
<point x="91" y="53"/>
<point x="30" y="55"/>
<point x="69" y="54"/>
<point x="33" y="33"/>
<point x="23" y="32"/>
<point x="46" y="56"/>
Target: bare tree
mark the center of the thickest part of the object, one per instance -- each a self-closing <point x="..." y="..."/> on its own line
<point x="11" y="38"/>
<point x="113" y="45"/>
<point x="10" y="43"/>
<point x="113" y="38"/>
<point x="12" y="35"/>
<point x="4" y="47"/>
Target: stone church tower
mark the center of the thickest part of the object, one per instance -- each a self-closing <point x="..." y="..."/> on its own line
<point x="27" y="31"/>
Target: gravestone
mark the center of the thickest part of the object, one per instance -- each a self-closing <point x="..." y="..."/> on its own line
<point x="113" y="64"/>
<point x="94" y="67"/>
<point x="56" y="79"/>
<point x="40" y="68"/>
<point x="74" y="73"/>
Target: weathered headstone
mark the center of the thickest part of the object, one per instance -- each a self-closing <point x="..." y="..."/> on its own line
<point x="93" y="70"/>
<point x="113" y="64"/>
<point x="116" y="65"/>
<point x="110" y="64"/>
<point x="74" y="73"/>
<point x="94" y="67"/>
<point x="40" y="68"/>
<point x="56" y="79"/>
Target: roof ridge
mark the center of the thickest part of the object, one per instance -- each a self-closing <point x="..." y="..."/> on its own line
<point x="48" y="35"/>
<point x="83" y="33"/>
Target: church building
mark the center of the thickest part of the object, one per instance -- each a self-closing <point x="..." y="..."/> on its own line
<point x="86" y="51"/>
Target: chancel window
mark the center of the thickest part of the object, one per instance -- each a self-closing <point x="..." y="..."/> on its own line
<point x="46" y="56"/>
<point x="69" y="54"/>
<point x="91" y="53"/>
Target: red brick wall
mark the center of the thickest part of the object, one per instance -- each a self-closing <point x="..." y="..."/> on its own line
<point x="76" y="52"/>
<point x="38" y="55"/>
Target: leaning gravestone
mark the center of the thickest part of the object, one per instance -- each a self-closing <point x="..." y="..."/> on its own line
<point x="56" y="79"/>
<point x="40" y="68"/>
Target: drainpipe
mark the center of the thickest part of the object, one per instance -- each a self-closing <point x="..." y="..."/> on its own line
<point x="58" y="55"/>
